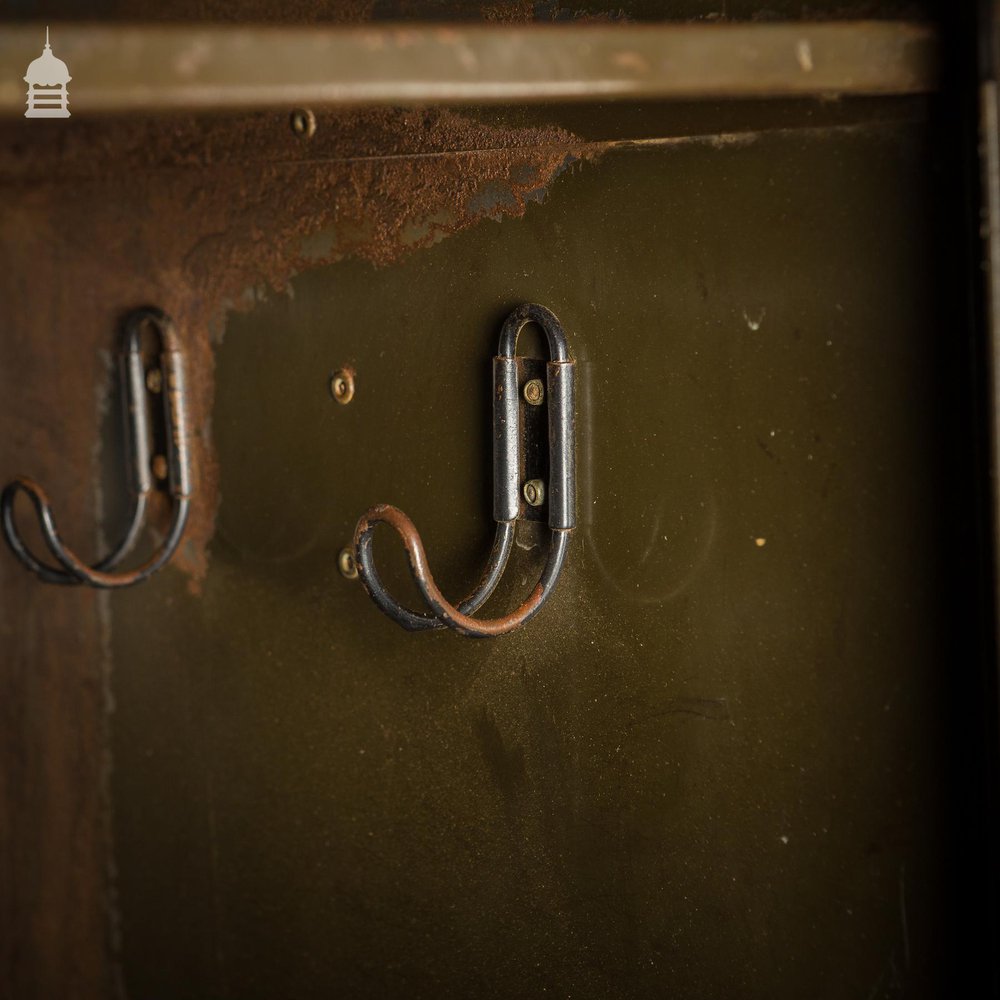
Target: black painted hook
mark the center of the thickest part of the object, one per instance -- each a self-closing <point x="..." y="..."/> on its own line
<point x="134" y="389"/>
<point x="515" y="495"/>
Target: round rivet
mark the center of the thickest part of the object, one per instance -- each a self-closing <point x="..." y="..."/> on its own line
<point x="342" y="385"/>
<point x="347" y="565"/>
<point x="159" y="467"/>
<point x="534" y="492"/>
<point x="303" y="122"/>
<point x="534" y="392"/>
<point x="154" y="380"/>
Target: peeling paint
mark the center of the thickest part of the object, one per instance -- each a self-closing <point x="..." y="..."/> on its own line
<point x="199" y="242"/>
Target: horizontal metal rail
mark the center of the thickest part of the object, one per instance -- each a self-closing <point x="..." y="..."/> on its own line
<point x="129" y="69"/>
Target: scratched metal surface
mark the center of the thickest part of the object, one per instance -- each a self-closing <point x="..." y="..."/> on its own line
<point x="712" y="766"/>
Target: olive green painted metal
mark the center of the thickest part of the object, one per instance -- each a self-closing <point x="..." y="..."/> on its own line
<point x="714" y="766"/>
<point x="141" y="68"/>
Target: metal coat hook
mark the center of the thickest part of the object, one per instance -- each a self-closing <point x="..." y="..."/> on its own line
<point x="527" y="484"/>
<point x="167" y="381"/>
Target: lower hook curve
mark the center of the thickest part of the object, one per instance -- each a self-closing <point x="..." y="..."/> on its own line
<point x="443" y="613"/>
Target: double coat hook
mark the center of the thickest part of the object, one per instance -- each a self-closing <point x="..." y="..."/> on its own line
<point x="167" y="381"/>
<point x="527" y="484"/>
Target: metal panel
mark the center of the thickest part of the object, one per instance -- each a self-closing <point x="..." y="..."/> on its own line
<point x="707" y="768"/>
<point x="148" y="68"/>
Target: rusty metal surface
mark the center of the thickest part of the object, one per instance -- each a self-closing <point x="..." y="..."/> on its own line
<point x="394" y="181"/>
<point x="184" y="214"/>
<point x="491" y="11"/>
<point x="213" y="234"/>
<point x="96" y="148"/>
<point x="210" y="67"/>
<point x="120" y="185"/>
<point x="723" y="767"/>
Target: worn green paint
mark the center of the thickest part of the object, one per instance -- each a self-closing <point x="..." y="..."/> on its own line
<point x="709" y="768"/>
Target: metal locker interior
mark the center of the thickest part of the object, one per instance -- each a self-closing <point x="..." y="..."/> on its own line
<point x="746" y="748"/>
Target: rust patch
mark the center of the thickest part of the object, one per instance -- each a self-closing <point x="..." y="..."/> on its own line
<point x="509" y="11"/>
<point x="188" y="215"/>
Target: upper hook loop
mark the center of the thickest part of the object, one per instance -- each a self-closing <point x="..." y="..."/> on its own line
<point x="531" y="312"/>
<point x="71" y="569"/>
<point x="509" y="468"/>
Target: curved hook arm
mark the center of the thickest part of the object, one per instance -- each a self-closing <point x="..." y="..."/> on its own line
<point x="73" y="569"/>
<point x="445" y="612"/>
<point x="415" y="621"/>
<point x="39" y="499"/>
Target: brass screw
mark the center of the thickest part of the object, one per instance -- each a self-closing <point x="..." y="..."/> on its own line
<point x="534" y="492"/>
<point x="348" y="567"/>
<point x="154" y="380"/>
<point x="159" y="467"/>
<point x="303" y="123"/>
<point x="342" y="385"/>
<point x="534" y="392"/>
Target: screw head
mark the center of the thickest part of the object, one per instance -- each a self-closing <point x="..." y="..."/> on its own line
<point x="534" y="492"/>
<point x="154" y="380"/>
<point x="342" y="385"/>
<point x="347" y="565"/>
<point x="159" y="467"/>
<point x="534" y="392"/>
<point x="303" y="122"/>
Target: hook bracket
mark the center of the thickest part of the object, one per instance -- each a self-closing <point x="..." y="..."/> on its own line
<point x="137" y="387"/>
<point x="534" y="478"/>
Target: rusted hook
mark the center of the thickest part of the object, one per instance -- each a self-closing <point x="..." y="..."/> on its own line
<point x="170" y="376"/>
<point x="517" y="493"/>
